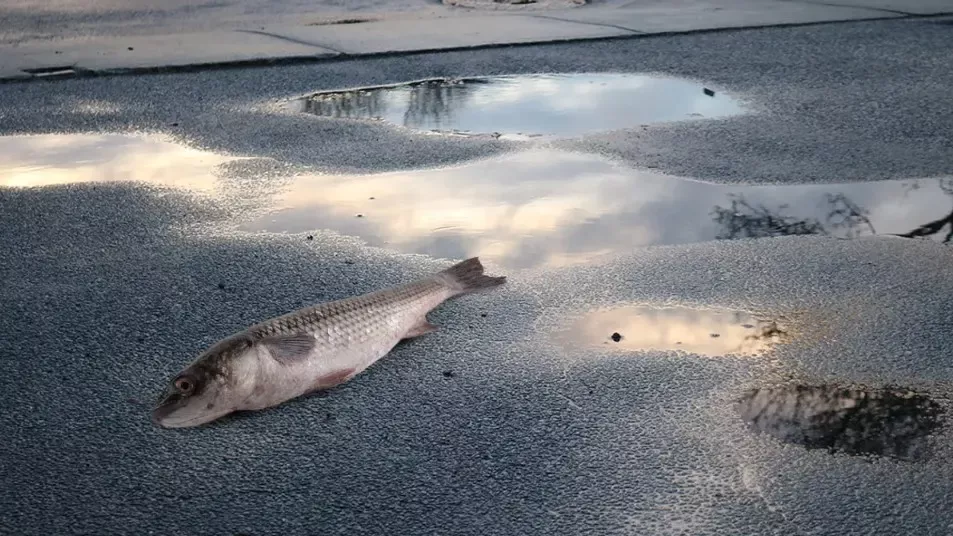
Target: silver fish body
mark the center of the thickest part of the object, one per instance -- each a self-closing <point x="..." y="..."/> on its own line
<point x="310" y="349"/>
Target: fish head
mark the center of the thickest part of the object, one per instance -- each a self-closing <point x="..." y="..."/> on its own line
<point x="211" y="387"/>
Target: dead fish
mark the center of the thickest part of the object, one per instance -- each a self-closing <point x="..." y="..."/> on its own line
<point x="311" y="349"/>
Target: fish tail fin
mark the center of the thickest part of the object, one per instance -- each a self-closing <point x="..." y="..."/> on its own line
<point x="467" y="276"/>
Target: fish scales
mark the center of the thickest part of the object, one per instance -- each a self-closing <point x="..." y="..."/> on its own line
<point x="311" y="349"/>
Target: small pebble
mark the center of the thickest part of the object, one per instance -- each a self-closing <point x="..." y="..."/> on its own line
<point x="616" y="337"/>
<point x="221" y="286"/>
<point x="483" y="315"/>
<point x="371" y="198"/>
<point x="130" y="48"/>
<point x="448" y="374"/>
<point x="360" y="215"/>
<point x="714" y="335"/>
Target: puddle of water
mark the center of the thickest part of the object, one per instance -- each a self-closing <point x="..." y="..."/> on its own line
<point x="546" y="208"/>
<point x="45" y="160"/>
<point x="891" y="423"/>
<point x="539" y="104"/>
<point x="534" y="208"/>
<point x="709" y="332"/>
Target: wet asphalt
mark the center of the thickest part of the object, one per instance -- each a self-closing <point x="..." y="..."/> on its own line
<point x="486" y="426"/>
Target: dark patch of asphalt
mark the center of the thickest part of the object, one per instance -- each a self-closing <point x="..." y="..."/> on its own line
<point x="108" y="289"/>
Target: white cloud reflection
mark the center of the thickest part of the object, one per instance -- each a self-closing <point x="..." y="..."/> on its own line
<point x="539" y="207"/>
<point x="548" y="207"/>
<point x="709" y="332"/>
<point x="43" y="160"/>
<point x="546" y="104"/>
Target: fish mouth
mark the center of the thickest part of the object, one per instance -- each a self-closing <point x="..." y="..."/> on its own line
<point x="166" y="408"/>
<point x="162" y="411"/>
<point x="160" y="421"/>
<point x="164" y="414"/>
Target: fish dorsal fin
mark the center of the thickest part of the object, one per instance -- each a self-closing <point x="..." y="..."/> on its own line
<point x="289" y="348"/>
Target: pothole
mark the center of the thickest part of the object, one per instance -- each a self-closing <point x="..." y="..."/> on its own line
<point x="886" y="422"/>
<point x="710" y="332"/>
<point x="527" y="105"/>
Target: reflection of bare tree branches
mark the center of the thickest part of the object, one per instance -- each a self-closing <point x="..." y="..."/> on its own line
<point x="934" y="227"/>
<point x="854" y="421"/>
<point x="947" y="186"/>
<point x="844" y="218"/>
<point x="358" y="104"/>
<point x="433" y="103"/>
<point x="846" y="215"/>
<point x="744" y="220"/>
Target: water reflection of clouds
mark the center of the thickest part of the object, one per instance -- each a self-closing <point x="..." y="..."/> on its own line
<point x="68" y="158"/>
<point x="544" y="207"/>
<point x="539" y="207"/>
<point x="708" y="332"/>
<point x="558" y="104"/>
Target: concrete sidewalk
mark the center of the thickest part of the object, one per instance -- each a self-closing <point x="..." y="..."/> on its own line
<point x="284" y="43"/>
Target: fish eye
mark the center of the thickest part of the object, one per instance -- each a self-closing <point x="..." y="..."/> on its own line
<point x="184" y="385"/>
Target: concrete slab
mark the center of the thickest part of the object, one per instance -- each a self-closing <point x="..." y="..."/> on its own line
<point x="103" y="54"/>
<point x="656" y="16"/>
<point x="913" y="7"/>
<point x="283" y="41"/>
<point x="444" y="33"/>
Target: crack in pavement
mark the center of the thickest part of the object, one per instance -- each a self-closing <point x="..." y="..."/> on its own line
<point x="589" y="23"/>
<point x="292" y="40"/>
<point x="835" y="4"/>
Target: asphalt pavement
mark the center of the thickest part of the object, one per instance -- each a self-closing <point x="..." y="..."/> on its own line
<point x="488" y="426"/>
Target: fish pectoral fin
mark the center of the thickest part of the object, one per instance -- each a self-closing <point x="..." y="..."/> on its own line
<point x="422" y="328"/>
<point x="331" y="379"/>
<point x="290" y="348"/>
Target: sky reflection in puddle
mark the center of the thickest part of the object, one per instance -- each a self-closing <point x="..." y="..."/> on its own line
<point x="546" y="207"/>
<point x="538" y="207"/>
<point x="44" y="160"/>
<point x="710" y="332"/>
<point x="536" y="104"/>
